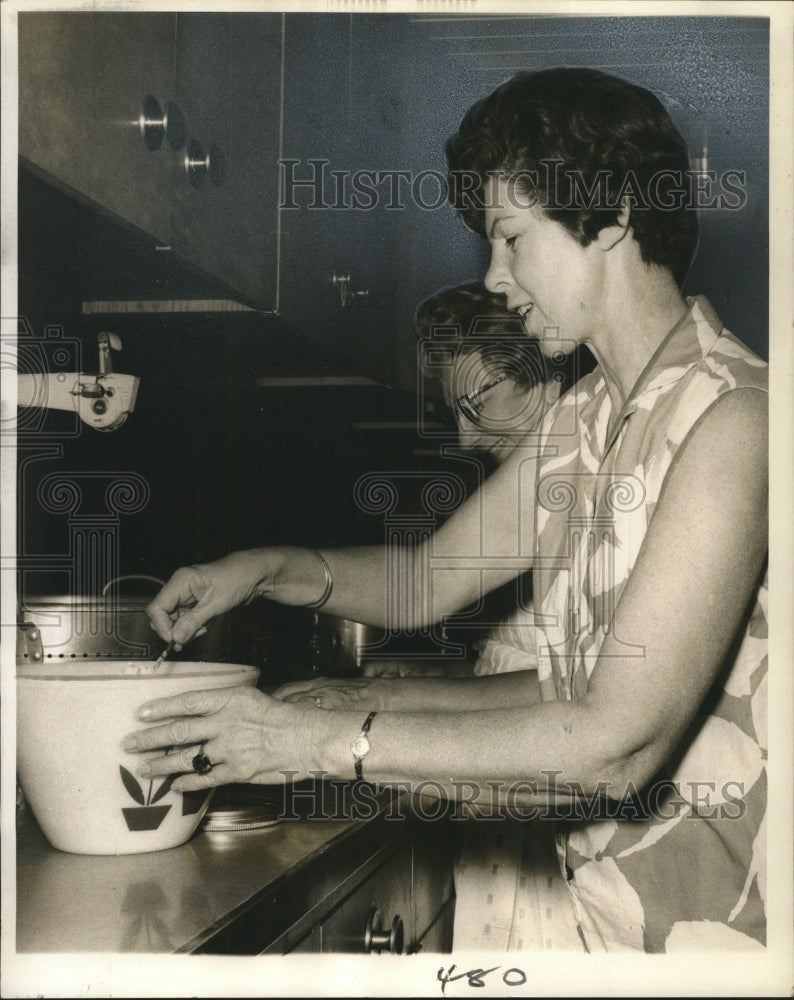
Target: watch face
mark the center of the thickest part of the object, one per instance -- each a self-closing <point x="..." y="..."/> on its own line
<point x="360" y="745"/>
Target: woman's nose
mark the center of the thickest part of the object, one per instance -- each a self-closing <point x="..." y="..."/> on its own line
<point x="497" y="275"/>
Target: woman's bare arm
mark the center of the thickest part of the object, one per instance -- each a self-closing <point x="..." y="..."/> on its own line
<point x="678" y="614"/>
<point x="485" y="543"/>
<point x="416" y="693"/>
<point x="677" y="617"/>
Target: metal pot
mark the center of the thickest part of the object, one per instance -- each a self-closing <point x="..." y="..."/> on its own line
<point x="340" y="645"/>
<point x="109" y="626"/>
<point x="295" y="644"/>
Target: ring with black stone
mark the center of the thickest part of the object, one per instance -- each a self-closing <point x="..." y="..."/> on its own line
<point x="201" y="763"/>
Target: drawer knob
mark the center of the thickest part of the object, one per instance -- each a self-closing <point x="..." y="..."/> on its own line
<point x="376" y="939"/>
<point x="155" y="125"/>
<point x="199" y="164"/>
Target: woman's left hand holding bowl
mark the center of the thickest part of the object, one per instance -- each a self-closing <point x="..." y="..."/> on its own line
<point x="247" y="737"/>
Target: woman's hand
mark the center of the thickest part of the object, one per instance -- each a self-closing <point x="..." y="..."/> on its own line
<point x="247" y="736"/>
<point x="196" y="594"/>
<point x="333" y="692"/>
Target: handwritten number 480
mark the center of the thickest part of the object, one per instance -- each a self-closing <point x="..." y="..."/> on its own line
<point x="476" y="977"/>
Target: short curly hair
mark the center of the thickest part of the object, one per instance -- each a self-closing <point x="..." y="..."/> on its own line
<point x="468" y="319"/>
<point x="581" y="141"/>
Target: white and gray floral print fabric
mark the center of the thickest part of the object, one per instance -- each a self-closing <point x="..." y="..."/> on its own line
<point x="683" y="864"/>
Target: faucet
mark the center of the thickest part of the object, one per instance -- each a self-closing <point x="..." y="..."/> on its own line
<point x="103" y="401"/>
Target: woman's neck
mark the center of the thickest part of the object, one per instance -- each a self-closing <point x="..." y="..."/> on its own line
<point x="636" y="318"/>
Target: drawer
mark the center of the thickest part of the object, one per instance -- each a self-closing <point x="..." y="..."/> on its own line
<point x="376" y="918"/>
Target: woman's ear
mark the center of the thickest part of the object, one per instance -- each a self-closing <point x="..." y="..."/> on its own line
<point x="609" y="236"/>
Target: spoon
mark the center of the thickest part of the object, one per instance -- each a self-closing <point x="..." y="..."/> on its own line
<point x="164" y="654"/>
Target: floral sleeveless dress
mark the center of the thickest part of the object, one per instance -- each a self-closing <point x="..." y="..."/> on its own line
<point x="683" y="866"/>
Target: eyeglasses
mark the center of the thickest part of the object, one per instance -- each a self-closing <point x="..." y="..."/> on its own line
<point x="470" y="404"/>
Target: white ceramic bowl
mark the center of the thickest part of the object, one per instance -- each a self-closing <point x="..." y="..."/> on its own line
<point x="80" y="784"/>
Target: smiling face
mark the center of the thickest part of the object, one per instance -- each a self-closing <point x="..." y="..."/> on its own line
<point x="553" y="282"/>
<point x="492" y="410"/>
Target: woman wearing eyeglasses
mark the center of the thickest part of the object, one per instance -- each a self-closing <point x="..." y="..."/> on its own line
<point x="494" y="378"/>
<point x="498" y="386"/>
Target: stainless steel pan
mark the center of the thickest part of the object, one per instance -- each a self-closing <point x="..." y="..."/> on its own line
<point x="107" y="626"/>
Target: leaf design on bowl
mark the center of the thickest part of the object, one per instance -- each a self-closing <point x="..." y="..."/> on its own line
<point x="164" y="789"/>
<point x="135" y="790"/>
<point x="132" y="786"/>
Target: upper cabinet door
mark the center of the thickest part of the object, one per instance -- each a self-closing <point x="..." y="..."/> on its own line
<point x="323" y="235"/>
<point x="83" y="80"/>
<point x="212" y="194"/>
<point x="228" y="86"/>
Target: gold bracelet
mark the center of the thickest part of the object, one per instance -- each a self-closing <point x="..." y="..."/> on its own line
<point x="329" y="583"/>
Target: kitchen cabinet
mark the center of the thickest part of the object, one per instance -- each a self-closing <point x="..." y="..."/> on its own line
<point x="228" y="88"/>
<point x="343" y="109"/>
<point x="319" y="240"/>
<point x="84" y="78"/>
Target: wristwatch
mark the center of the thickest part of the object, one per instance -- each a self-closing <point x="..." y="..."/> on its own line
<point x="360" y="746"/>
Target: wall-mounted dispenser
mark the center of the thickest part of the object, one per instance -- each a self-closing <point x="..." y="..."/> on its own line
<point x="102" y="400"/>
